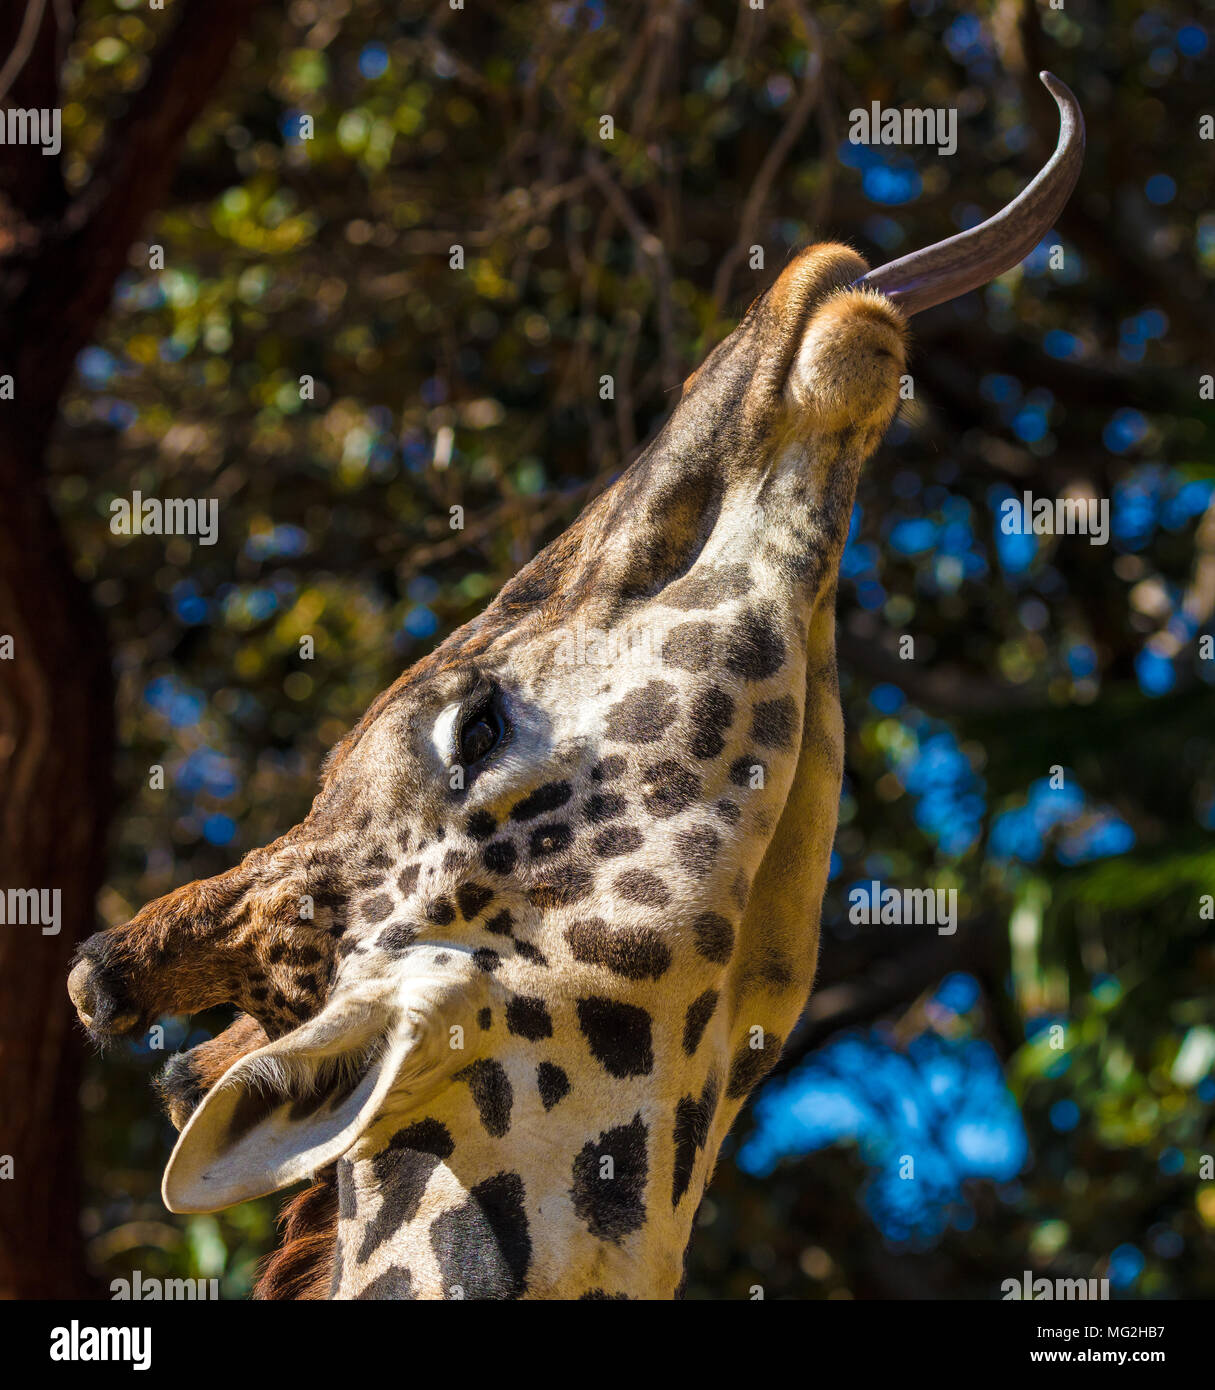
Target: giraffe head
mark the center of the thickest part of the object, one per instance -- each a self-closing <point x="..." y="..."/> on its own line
<point x="555" y="906"/>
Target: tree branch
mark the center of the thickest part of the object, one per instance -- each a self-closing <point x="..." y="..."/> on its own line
<point x="60" y="287"/>
<point x="31" y="22"/>
<point x="773" y="162"/>
<point x="944" y="690"/>
<point x="891" y="981"/>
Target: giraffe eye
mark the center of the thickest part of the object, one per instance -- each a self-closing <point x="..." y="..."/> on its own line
<point x="482" y="729"/>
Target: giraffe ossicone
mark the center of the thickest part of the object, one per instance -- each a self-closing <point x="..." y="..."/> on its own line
<point x="562" y="911"/>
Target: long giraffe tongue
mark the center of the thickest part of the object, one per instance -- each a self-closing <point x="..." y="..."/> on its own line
<point x="950" y="268"/>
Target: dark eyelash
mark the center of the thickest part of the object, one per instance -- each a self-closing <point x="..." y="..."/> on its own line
<point x="476" y="701"/>
<point x="483" y="694"/>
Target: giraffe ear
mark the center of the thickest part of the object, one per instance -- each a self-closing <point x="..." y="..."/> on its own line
<point x="280" y="1113"/>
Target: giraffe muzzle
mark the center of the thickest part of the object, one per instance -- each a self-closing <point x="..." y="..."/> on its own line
<point x="102" y="1005"/>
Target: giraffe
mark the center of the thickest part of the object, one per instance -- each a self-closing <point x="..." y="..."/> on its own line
<point x="555" y="906"/>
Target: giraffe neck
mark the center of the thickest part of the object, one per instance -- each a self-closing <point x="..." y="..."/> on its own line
<point x="428" y="1211"/>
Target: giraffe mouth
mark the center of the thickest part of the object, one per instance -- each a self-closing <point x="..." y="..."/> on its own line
<point x="102" y="1005"/>
<point x="950" y="268"/>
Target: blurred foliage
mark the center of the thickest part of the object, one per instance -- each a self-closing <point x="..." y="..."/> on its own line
<point x="329" y="258"/>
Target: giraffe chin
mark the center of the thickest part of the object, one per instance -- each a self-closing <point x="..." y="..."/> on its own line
<point x="186" y="1077"/>
<point x="180" y="1087"/>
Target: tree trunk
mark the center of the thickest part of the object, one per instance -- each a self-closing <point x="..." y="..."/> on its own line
<point x="59" y="257"/>
<point x="56" y="741"/>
